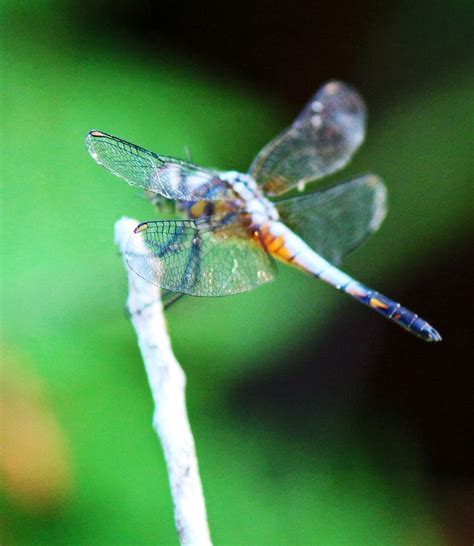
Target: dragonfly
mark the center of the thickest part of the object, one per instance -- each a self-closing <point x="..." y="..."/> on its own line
<point x="232" y="227"/>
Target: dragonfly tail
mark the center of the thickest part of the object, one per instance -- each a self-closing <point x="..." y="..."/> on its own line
<point x="286" y="246"/>
<point x="392" y="310"/>
<point x="388" y="308"/>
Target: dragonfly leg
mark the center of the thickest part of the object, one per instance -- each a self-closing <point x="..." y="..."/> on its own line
<point x="169" y="298"/>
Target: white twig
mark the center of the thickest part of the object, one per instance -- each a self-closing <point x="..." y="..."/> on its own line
<point x="167" y="382"/>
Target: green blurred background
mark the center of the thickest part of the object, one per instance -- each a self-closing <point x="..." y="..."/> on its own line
<point x="316" y="421"/>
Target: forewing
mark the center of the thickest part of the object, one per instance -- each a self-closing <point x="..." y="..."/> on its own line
<point x="320" y="141"/>
<point x="166" y="176"/>
<point x="206" y="257"/>
<point x="335" y="221"/>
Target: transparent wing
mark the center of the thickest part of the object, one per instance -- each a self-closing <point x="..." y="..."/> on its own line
<point x="166" y="176"/>
<point x="320" y="141"/>
<point x="335" y="221"/>
<point x="205" y="257"/>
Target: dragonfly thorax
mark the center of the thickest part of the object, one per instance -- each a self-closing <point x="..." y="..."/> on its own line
<point x="260" y="208"/>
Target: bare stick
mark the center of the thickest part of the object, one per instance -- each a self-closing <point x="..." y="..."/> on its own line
<point x="167" y="382"/>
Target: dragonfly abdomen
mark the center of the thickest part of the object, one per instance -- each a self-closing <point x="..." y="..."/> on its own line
<point x="392" y="310"/>
<point x="285" y="245"/>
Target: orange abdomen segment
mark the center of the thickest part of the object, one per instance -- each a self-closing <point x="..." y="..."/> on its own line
<point x="275" y="245"/>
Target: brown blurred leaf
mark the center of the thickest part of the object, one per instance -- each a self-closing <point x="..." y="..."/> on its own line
<point x="34" y="463"/>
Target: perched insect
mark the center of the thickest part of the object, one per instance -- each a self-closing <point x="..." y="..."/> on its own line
<point x="231" y="231"/>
